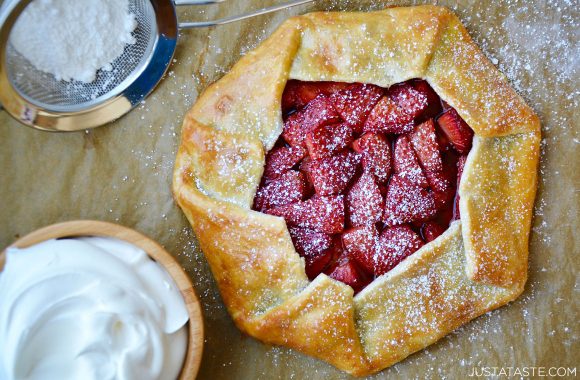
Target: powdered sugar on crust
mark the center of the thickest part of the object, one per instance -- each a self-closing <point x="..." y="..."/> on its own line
<point x="430" y="285"/>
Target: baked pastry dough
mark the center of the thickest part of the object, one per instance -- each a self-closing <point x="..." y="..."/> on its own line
<point x="477" y="265"/>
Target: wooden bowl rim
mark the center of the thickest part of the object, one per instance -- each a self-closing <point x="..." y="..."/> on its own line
<point x="76" y="228"/>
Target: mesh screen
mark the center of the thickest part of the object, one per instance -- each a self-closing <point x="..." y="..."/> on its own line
<point x="44" y="90"/>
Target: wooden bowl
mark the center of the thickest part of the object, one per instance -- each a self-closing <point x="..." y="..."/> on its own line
<point x="155" y="251"/>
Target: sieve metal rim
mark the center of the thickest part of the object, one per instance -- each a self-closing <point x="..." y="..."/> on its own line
<point x="51" y="118"/>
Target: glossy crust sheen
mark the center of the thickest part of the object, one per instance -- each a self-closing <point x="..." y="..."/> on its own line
<point x="479" y="264"/>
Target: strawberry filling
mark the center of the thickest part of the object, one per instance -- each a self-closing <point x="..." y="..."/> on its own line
<point x="364" y="176"/>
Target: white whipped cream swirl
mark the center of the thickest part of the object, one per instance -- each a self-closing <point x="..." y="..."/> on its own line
<point x="89" y="308"/>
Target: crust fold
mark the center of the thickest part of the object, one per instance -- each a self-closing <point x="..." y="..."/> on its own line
<point x="225" y="166"/>
<point x="463" y="76"/>
<point x="379" y="47"/>
<point x="421" y="300"/>
<point x="497" y="192"/>
<point x="477" y="265"/>
<point x="247" y="99"/>
<point x="318" y="322"/>
<point x="250" y="254"/>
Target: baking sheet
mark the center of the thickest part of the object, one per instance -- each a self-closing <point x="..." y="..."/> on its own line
<point x="122" y="173"/>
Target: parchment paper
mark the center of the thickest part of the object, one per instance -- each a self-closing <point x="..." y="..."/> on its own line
<point x="122" y="173"/>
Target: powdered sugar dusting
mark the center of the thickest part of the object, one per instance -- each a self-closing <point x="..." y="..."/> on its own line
<point x="337" y="173"/>
<point x="549" y="85"/>
<point x="73" y="39"/>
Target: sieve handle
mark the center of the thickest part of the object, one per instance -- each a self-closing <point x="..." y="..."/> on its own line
<point x="227" y="20"/>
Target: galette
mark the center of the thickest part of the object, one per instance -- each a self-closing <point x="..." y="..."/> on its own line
<point x="361" y="184"/>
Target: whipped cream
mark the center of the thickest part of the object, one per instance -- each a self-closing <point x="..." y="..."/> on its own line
<point x="89" y="308"/>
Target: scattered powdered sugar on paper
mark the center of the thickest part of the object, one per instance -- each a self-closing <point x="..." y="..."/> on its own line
<point x="73" y="39"/>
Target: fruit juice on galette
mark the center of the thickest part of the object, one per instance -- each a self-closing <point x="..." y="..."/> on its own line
<point x="364" y="176"/>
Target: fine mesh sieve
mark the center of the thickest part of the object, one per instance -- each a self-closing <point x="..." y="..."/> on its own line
<point x="39" y="100"/>
<point x="44" y="90"/>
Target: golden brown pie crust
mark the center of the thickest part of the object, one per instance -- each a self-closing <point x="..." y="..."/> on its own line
<point x="478" y="264"/>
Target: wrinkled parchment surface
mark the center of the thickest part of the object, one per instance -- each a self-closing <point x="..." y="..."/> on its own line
<point x="122" y="173"/>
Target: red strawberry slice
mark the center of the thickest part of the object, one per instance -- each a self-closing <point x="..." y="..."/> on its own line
<point x="424" y="142"/>
<point x="444" y="183"/>
<point x="349" y="274"/>
<point x="443" y="141"/>
<point x="375" y="150"/>
<point x="407" y="203"/>
<point x="290" y="187"/>
<point x="356" y="102"/>
<point x="329" y="88"/>
<point x="325" y="140"/>
<point x="339" y="255"/>
<point x="315" y="247"/>
<point x="460" y="166"/>
<point x="360" y="243"/>
<point x="280" y="160"/>
<point x="323" y="214"/>
<point x="456" y="130"/>
<point x="306" y="240"/>
<point x="331" y="175"/>
<point x="406" y="163"/>
<point x="444" y="198"/>
<point x="440" y="182"/>
<point x="315" y="263"/>
<point x="431" y="231"/>
<point x="410" y="100"/>
<point x="364" y="202"/>
<point x="434" y="107"/>
<point x="444" y="188"/>
<point x="395" y="244"/>
<point x="297" y="94"/>
<point x="306" y="166"/>
<point x="388" y="117"/>
<point x="319" y="111"/>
